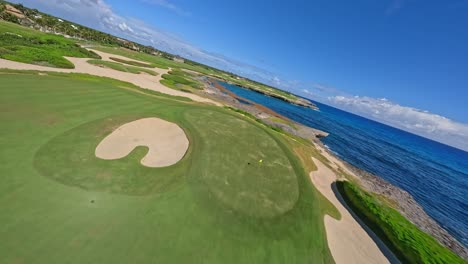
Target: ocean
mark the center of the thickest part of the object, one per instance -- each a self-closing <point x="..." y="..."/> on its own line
<point x="436" y="175"/>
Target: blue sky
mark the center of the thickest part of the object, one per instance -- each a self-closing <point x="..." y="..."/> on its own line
<point x="411" y="52"/>
<point x="401" y="62"/>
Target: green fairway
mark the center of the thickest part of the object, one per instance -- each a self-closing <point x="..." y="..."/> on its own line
<point x="180" y="80"/>
<point x="240" y="194"/>
<point x="133" y="63"/>
<point x="121" y="67"/>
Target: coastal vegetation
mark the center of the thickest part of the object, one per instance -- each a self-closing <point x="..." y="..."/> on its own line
<point x="180" y="80"/>
<point x="121" y="67"/>
<point x="249" y="115"/>
<point x="409" y="244"/>
<point x="29" y="46"/>
<point x="133" y="63"/>
<point x="114" y="45"/>
<point x="58" y="26"/>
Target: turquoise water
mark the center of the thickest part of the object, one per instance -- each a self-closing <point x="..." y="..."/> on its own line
<point x="436" y="175"/>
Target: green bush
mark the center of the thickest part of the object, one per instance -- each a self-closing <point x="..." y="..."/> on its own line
<point x="407" y="241"/>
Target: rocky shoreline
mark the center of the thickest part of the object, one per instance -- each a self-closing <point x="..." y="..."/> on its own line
<point x="400" y="199"/>
<point x="404" y="202"/>
<point x="299" y="101"/>
<point x="217" y="92"/>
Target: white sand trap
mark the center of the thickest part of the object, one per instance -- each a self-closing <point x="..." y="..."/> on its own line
<point x="145" y="81"/>
<point x="166" y="141"/>
<point x="347" y="240"/>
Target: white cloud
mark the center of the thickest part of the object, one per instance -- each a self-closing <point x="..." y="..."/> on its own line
<point x="168" y="5"/>
<point x="410" y="119"/>
<point x="98" y="14"/>
<point x="276" y="80"/>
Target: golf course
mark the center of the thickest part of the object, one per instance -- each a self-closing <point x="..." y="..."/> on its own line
<point x="116" y="152"/>
<point x="224" y="201"/>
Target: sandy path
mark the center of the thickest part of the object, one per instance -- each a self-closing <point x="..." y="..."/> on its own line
<point x="334" y="162"/>
<point x="348" y="241"/>
<point x="81" y="66"/>
<point x="166" y="141"/>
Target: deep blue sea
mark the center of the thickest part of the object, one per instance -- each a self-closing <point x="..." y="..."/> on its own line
<point x="435" y="174"/>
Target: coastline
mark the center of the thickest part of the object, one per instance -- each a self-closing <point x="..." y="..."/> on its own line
<point x="398" y="198"/>
<point x="404" y="201"/>
<point x="357" y="229"/>
<point x="297" y="101"/>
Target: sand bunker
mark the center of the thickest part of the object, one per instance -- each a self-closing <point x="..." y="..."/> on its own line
<point x="166" y="141"/>
<point x="145" y="81"/>
<point x="347" y="240"/>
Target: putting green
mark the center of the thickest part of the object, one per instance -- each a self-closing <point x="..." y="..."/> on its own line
<point x="219" y="204"/>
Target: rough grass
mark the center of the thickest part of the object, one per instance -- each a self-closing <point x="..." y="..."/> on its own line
<point x="164" y="63"/>
<point x="121" y="67"/>
<point x="29" y="46"/>
<point x="130" y="62"/>
<point x="410" y="244"/>
<point x="180" y="80"/>
<point x="60" y="203"/>
<point x="282" y="121"/>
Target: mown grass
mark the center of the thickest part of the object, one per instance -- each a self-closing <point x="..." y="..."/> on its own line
<point x="60" y="203"/>
<point x="155" y="61"/>
<point x="92" y="78"/>
<point x="133" y="63"/>
<point x="249" y="115"/>
<point x="22" y="44"/>
<point x="166" y="63"/>
<point x="180" y="80"/>
<point x="409" y="244"/>
<point x="121" y="67"/>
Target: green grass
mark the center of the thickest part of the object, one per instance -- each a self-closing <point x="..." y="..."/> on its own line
<point x="410" y="244"/>
<point x="92" y="78"/>
<point x="22" y="44"/>
<point x="133" y="63"/>
<point x="121" y="67"/>
<point x="155" y="61"/>
<point x="281" y="121"/>
<point x="161" y="62"/>
<point x="180" y="80"/>
<point x="260" y="121"/>
<point x="211" y="207"/>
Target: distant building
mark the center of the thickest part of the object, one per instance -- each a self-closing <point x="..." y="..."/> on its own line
<point x="178" y="59"/>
